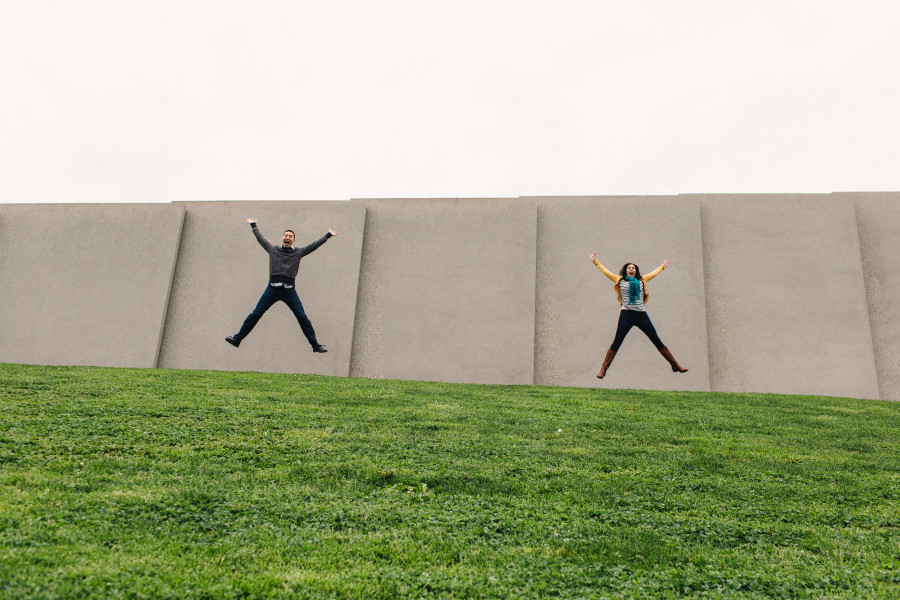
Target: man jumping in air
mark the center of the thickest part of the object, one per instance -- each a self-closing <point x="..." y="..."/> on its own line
<point x="284" y="262"/>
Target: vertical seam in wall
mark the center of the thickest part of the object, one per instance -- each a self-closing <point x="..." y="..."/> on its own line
<point x="722" y="351"/>
<point x="354" y="338"/>
<point x="712" y="366"/>
<point x="356" y="296"/>
<point x="366" y="348"/>
<point x="548" y="357"/>
<point x="534" y="329"/>
<point x="870" y="289"/>
<point x="166" y="304"/>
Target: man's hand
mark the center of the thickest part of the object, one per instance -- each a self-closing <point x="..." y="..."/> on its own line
<point x="332" y="232"/>
<point x="251" y="220"/>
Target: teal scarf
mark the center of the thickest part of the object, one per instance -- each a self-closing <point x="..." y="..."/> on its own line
<point x="634" y="289"/>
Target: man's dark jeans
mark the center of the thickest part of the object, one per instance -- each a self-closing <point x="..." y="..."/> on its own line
<point x="271" y="296"/>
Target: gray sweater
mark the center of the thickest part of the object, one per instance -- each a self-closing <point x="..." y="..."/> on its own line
<point x="285" y="262"/>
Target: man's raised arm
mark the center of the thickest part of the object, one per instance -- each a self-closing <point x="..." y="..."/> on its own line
<point x="259" y="236"/>
<point x="312" y="247"/>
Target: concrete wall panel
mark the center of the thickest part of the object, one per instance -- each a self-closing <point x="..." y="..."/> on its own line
<point x="448" y="291"/>
<point x="878" y="219"/>
<point x="786" y="299"/>
<point x="577" y="310"/>
<point x="222" y="271"/>
<point x="85" y="284"/>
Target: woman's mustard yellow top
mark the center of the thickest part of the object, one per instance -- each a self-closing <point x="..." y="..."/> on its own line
<point x="615" y="279"/>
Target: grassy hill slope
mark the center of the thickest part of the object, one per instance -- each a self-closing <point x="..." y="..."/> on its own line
<point x="185" y="484"/>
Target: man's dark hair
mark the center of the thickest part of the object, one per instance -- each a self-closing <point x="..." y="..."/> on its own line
<point x="292" y="232"/>
<point x="637" y="272"/>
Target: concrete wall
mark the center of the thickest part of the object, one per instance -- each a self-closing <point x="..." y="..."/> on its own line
<point x="577" y="309"/>
<point x="449" y="294"/>
<point x="878" y="220"/>
<point x="786" y="299"/>
<point x="766" y="293"/>
<point x="85" y="284"/>
<point x="222" y="271"/>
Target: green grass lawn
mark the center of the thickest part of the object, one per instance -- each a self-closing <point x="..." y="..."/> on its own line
<point x="122" y="483"/>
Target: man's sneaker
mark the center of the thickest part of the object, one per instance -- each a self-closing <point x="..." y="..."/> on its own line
<point x="232" y="341"/>
<point x="320" y="348"/>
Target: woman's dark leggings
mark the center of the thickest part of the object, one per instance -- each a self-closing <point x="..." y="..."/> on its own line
<point x="634" y="318"/>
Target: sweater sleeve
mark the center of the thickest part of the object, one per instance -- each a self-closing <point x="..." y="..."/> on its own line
<point x="653" y="273"/>
<point x="315" y="245"/>
<point x="615" y="278"/>
<point x="259" y="238"/>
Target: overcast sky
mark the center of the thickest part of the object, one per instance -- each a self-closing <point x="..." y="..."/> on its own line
<point x="157" y="101"/>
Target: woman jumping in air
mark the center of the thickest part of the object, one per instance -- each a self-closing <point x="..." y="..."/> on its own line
<point x="631" y="290"/>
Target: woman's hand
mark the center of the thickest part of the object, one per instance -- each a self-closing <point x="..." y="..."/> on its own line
<point x="666" y="262"/>
<point x="592" y="256"/>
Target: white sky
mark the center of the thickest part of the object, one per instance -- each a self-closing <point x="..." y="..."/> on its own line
<point x="162" y="100"/>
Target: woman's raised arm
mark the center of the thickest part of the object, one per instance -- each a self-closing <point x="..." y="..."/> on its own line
<point x="656" y="271"/>
<point x="615" y="278"/>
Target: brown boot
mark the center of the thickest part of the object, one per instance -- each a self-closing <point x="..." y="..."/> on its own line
<point x="667" y="354"/>
<point x="610" y="355"/>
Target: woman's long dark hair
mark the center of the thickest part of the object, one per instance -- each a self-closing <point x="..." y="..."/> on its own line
<point x="637" y="271"/>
